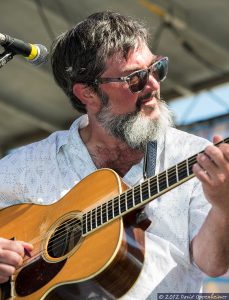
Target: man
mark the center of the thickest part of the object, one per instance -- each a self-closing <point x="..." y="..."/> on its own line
<point x="106" y="68"/>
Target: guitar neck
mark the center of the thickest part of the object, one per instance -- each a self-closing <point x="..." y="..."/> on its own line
<point x="139" y="195"/>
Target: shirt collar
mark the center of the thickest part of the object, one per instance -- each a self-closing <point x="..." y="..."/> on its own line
<point x="72" y="135"/>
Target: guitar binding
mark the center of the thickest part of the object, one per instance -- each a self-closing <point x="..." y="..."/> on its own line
<point x="64" y="238"/>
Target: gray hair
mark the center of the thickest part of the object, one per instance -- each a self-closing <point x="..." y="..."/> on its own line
<point x="80" y="54"/>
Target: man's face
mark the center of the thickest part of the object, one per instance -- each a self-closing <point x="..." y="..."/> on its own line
<point x="136" y="118"/>
<point x="120" y="99"/>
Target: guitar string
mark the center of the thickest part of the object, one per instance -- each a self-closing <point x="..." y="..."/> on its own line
<point x="103" y="209"/>
<point x="75" y="221"/>
<point x="117" y="197"/>
<point x="177" y="172"/>
<point x="123" y="203"/>
<point x="107" y="212"/>
<point x="175" y="169"/>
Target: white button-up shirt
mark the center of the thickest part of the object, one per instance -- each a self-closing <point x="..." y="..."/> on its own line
<point x="45" y="171"/>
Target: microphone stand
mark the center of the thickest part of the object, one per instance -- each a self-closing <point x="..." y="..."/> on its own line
<point x="5" y="57"/>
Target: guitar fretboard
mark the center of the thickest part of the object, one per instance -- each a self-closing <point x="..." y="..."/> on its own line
<point x="139" y="195"/>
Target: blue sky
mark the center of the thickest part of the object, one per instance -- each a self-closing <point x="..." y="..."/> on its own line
<point x="201" y="106"/>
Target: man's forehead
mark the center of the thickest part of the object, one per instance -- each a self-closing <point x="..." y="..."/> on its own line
<point x="117" y="58"/>
<point x="134" y="59"/>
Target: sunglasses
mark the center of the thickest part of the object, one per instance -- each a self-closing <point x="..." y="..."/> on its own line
<point x="139" y="79"/>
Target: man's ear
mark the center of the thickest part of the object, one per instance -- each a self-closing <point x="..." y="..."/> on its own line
<point x="83" y="93"/>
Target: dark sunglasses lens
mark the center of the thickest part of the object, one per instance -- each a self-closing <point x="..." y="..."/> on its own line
<point x="160" y="69"/>
<point x="138" y="81"/>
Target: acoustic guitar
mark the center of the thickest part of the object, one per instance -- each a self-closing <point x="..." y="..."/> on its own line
<point x="89" y="242"/>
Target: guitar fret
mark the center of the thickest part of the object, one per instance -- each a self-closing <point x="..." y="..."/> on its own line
<point x="162" y="181"/>
<point x="110" y="209"/>
<point x="191" y="162"/>
<point x="84" y="223"/>
<point x="137" y="195"/>
<point x="98" y="215"/>
<point x="126" y="202"/>
<point x="104" y="213"/>
<point x="172" y="175"/>
<point x="190" y="165"/>
<point x="187" y="169"/>
<point x="177" y="178"/>
<point x="153" y="186"/>
<point x="158" y="188"/>
<point x="140" y="190"/>
<point x="116" y="207"/>
<point x="88" y="221"/>
<point x="145" y="190"/>
<point x="182" y="172"/>
<point x="123" y="202"/>
<point x="130" y="199"/>
<point x="93" y="218"/>
<point x="148" y="186"/>
<point x="167" y="180"/>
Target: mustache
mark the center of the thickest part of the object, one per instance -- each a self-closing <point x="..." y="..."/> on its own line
<point x="145" y="97"/>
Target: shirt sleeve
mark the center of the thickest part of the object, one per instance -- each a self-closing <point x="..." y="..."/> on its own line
<point x="198" y="210"/>
<point x="12" y="175"/>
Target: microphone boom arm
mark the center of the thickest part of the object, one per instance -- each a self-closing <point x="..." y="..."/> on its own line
<point x="5" y="57"/>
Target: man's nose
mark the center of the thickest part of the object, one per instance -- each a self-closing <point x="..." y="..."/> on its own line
<point x="153" y="83"/>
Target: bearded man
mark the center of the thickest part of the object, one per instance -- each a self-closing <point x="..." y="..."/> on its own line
<point x="105" y="66"/>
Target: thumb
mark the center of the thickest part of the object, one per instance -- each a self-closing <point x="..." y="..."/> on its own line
<point x="27" y="246"/>
<point x="217" y="139"/>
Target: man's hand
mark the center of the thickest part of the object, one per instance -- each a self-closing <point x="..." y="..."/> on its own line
<point x="212" y="170"/>
<point x="11" y="257"/>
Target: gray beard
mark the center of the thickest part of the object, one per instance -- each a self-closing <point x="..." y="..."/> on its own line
<point x="133" y="128"/>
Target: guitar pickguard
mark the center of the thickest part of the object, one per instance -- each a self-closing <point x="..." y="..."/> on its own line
<point x="36" y="275"/>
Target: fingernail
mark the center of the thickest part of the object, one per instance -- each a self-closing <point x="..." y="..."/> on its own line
<point x="27" y="253"/>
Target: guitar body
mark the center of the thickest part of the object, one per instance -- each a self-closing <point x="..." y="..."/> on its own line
<point x="105" y="262"/>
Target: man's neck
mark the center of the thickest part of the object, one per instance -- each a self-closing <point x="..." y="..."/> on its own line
<point x="108" y="151"/>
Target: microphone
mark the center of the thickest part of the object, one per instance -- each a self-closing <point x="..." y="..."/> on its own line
<point x="36" y="54"/>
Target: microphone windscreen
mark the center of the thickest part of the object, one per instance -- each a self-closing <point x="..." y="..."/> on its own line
<point x="41" y="57"/>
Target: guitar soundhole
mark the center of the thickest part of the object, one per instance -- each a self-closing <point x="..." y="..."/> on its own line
<point x="65" y="237"/>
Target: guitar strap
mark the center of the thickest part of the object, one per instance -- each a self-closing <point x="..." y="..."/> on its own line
<point x="150" y="157"/>
<point x="149" y="166"/>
